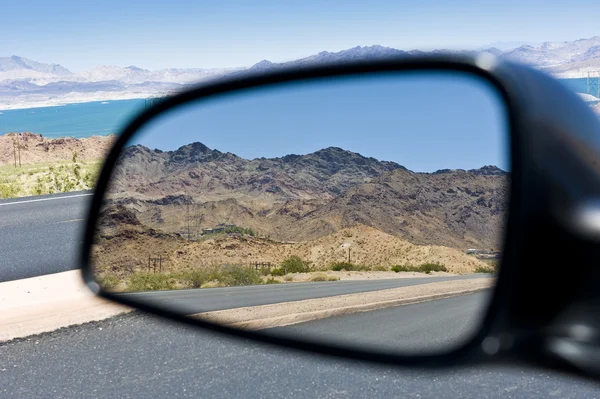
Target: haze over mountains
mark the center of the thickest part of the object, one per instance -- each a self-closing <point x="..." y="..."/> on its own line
<point x="27" y="83"/>
<point x="305" y="197"/>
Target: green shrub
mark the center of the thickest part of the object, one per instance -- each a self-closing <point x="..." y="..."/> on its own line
<point x="485" y="269"/>
<point x="424" y="268"/>
<point x="278" y="272"/>
<point x="432" y="267"/>
<point x="272" y="281"/>
<point x="294" y="264"/>
<point x="347" y="266"/>
<point x="142" y="281"/>
<point x="233" y="275"/>
<point x="404" y="268"/>
<point x="10" y="189"/>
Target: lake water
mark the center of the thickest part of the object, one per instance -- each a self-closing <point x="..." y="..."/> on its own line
<point x="103" y="117"/>
<point x="73" y="120"/>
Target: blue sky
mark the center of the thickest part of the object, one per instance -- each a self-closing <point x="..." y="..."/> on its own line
<point x="227" y="33"/>
<point x="424" y="121"/>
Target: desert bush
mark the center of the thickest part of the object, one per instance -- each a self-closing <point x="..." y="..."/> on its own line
<point x="424" y="268"/>
<point x="233" y="275"/>
<point x="432" y="267"/>
<point x="485" y="269"/>
<point x="347" y="266"/>
<point x="288" y="277"/>
<point x="212" y="284"/>
<point x="278" y="272"/>
<point x="272" y="281"/>
<point x="10" y="189"/>
<point x="323" y="277"/>
<point x="142" y="281"/>
<point x="294" y="264"/>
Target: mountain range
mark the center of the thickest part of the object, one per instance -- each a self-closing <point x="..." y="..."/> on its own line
<point x="25" y="83"/>
<point x="304" y="197"/>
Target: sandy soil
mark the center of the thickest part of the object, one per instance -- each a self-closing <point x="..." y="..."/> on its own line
<point x="287" y="313"/>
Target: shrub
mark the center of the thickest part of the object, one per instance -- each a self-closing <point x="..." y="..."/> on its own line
<point x="432" y="267"/>
<point x="342" y="266"/>
<point x="323" y="277"/>
<point x="404" y="268"/>
<point x="347" y="266"/>
<point x="294" y="264"/>
<point x="272" y="281"/>
<point x="424" y="268"/>
<point x="10" y="189"/>
<point x="233" y="275"/>
<point x="288" y="277"/>
<point x="143" y="281"/>
<point x="278" y="272"/>
<point x="212" y="284"/>
<point x="485" y="269"/>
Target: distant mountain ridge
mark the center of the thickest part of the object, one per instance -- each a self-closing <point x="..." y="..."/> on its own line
<point x="24" y="83"/>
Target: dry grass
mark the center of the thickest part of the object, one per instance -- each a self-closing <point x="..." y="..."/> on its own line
<point x="48" y="178"/>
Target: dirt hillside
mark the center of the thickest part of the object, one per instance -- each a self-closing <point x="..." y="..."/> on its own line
<point x="125" y="246"/>
<point x="35" y="148"/>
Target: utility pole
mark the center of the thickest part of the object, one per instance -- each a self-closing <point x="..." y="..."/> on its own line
<point x="15" y="152"/>
<point x="19" y="147"/>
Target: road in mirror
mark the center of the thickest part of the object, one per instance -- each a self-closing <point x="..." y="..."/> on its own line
<point x="366" y="211"/>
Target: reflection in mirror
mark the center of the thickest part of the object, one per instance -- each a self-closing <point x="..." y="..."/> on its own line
<point x="366" y="211"/>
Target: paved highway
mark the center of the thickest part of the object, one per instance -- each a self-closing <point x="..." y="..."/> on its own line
<point x="40" y="235"/>
<point x="418" y="328"/>
<point x="204" y="300"/>
<point x="135" y="356"/>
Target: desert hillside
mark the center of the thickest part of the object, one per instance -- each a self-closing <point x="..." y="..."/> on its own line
<point x="36" y="149"/>
<point x="305" y="197"/>
<point x="125" y="245"/>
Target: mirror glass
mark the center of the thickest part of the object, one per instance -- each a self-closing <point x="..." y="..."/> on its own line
<point x="365" y="211"/>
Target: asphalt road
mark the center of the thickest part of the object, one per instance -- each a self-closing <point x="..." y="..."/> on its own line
<point x="420" y="328"/>
<point x="135" y="356"/>
<point x="40" y="235"/>
<point x="205" y="300"/>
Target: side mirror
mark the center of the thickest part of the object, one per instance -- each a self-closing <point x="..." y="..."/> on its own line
<point x="373" y="210"/>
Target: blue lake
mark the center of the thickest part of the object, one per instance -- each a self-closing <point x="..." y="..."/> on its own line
<point x="103" y="117"/>
<point x="73" y="120"/>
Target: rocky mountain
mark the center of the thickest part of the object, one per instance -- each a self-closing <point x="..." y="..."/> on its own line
<point x="452" y="208"/>
<point x="204" y="173"/>
<point x="304" y="197"/>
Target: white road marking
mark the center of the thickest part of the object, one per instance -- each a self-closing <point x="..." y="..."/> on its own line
<point x="45" y="199"/>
